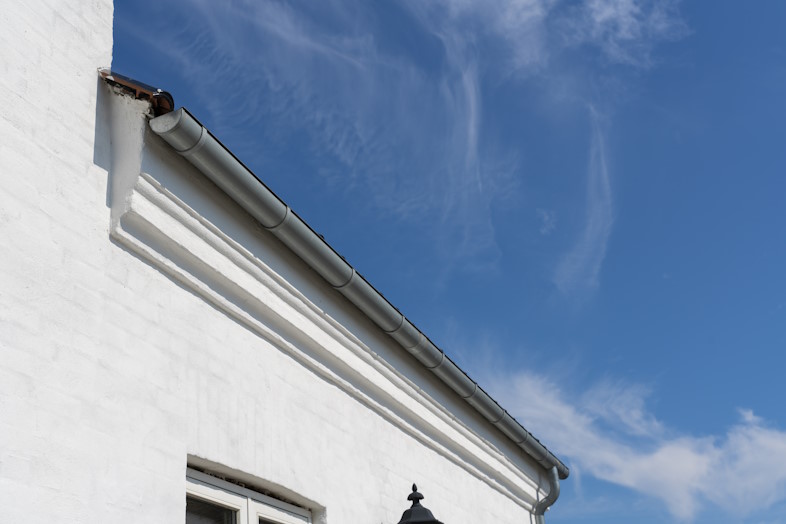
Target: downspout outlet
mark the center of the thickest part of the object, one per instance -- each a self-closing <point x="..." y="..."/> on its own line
<point x="551" y="498"/>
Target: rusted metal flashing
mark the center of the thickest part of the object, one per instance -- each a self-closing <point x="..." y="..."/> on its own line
<point x="160" y="101"/>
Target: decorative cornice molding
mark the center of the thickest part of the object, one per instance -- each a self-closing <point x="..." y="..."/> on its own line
<point x="155" y="224"/>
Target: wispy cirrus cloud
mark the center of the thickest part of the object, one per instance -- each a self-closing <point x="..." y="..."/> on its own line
<point x="405" y="127"/>
<point x="375" y="118"/>
<point x="317" y="93"/>
<point x="626" y="31"/>
<point x="579" y="269"/>
<point x="608" y="433"/>
<point x="533" y="32"/>
<point x="548" y="221"/>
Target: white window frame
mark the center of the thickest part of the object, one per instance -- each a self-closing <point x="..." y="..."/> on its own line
<point x="249" y="505"/>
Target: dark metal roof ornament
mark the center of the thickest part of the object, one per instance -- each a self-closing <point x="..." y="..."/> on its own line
<point x="417" y="513"/>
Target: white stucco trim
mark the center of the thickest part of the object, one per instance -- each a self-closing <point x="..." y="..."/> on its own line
<point x="247" y="503"/>
<point x="155" y="224"/>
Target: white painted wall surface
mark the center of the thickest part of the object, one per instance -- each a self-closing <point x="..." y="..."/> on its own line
<point x="116" y="366"/>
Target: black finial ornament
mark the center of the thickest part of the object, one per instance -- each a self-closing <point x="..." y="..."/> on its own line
<point x="415" y="497"/>
<point x="417" y="514"/>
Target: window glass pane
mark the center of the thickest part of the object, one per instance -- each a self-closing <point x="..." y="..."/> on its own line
<point x="201" y="512"/>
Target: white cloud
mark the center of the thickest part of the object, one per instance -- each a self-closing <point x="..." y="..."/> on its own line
<point x="622" y="407"/>
<point x="411" y="138"/>
<point x="626" y="31"/>
<point x="521" y="24"/>
<point x="580" y="267"/>
<point x="548" y="221"/>
<point x="741" y="471"/>
<point x="374" y="121"/>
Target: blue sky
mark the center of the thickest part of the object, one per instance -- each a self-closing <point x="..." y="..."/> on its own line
<point x="582" y="202"/>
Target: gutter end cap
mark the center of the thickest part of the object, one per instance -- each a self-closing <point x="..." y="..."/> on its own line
<point x="166" y="123"/>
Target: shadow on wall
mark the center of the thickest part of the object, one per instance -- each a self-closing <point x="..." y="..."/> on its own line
<point x="102" y="156"/>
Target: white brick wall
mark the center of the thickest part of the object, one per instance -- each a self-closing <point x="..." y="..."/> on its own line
<point x="112" y="373"/>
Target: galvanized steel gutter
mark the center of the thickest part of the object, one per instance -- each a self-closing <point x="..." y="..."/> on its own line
<point x="193" y="141"/>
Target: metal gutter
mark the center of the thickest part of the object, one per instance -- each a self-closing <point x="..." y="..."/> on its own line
<point x="186" y="135"/>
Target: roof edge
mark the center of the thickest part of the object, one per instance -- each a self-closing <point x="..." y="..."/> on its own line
<point x="161" y="102"/>
<point x="190" y="139"/>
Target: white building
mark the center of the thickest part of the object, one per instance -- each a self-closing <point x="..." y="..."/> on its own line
<point x="169" y="327"/>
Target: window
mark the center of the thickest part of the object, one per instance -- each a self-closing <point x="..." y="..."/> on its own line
<point x="214" y="501"/>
